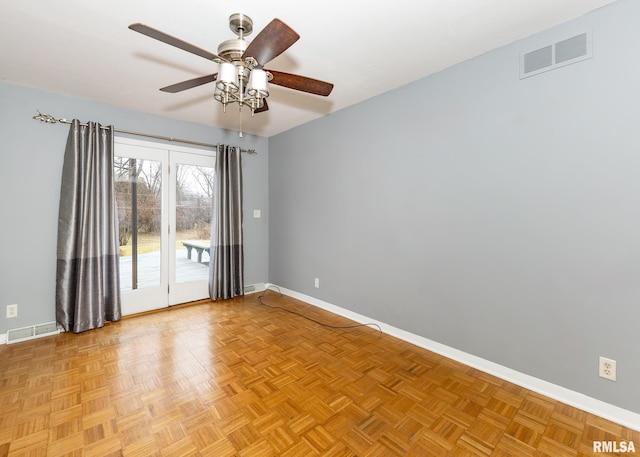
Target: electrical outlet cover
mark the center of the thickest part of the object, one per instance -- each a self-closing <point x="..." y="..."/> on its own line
<point x="12" y="311"/>
<point x="607" y="369"/>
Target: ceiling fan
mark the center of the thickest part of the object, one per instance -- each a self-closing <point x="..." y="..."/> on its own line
<point x="241" y="76"/>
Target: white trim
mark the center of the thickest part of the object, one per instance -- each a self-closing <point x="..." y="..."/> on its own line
<point x="3" y="338"/>
<point x="591" y="405"/>
<point x="161" y="145"/>
<point x="257" y="287"/>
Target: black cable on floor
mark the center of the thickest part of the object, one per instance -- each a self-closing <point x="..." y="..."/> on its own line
<point x="372" y="324"/>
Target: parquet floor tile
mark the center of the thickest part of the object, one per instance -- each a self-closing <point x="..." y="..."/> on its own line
<point x="235" y="379"/>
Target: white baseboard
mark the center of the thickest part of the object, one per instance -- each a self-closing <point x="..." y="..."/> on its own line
<point x="3" y="338"/>
<point x="254" y="288"/>
<point x="591" y="405"/>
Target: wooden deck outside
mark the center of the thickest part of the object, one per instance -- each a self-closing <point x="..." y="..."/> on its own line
<point x="149" y="269"/>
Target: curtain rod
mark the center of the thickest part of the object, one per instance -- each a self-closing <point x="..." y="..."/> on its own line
<point x="52" y="120"/>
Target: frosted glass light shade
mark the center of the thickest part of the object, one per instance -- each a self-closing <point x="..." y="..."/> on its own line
<point x="258" y="84"/>
<point x="227" y="76"/>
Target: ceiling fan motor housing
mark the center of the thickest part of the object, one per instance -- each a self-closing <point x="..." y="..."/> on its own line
<point x="232" y="50"/>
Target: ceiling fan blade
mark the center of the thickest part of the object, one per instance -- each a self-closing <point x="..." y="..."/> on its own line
<point x="190" y="83"/>
<point x="264" y="108"/>
<point x="173" y="41"/>
<point x="272" y="41"/>
<point x="301" y="83"/>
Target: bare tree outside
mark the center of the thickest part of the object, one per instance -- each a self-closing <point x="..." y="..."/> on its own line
<point x="142" y="177"/>
<point x="194" y="197"/>
<point x="194" y="194"/>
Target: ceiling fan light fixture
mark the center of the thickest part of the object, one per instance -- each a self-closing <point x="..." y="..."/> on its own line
<point x="227" y="77"/>
<point x="258" y="84"/>
<point x="256" y="104"/>
<point x="241" y="78"/>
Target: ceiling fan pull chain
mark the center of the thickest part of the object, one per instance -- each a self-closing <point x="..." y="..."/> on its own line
<point x="241" y="83"/>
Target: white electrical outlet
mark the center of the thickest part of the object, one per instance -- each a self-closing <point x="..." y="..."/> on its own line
<point x="317" y="283"/>
<point x="607" y="368"/>
<point x="12" y="311"/>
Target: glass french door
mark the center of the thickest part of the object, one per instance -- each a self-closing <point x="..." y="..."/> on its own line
<point x="191" y="207"/>
<point x="164" y="199"/>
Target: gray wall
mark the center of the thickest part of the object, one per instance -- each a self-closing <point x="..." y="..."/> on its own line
<point x="30" y="187"/>
<point x="495" y="215"/>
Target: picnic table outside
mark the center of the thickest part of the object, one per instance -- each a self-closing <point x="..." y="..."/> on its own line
<point x="199" y="245"/>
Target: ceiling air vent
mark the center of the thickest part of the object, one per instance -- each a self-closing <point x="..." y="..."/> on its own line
<point x="550" y="57"/>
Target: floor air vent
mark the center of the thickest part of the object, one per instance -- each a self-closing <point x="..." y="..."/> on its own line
<point x="31" y="332"/>
<point x="251" y="288"/>
<point x="552" y="56"/>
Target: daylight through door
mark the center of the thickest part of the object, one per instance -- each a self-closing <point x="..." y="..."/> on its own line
<point x="164" y="199"/>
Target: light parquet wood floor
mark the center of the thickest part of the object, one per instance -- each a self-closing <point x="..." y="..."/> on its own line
<point x="239" y="379"/>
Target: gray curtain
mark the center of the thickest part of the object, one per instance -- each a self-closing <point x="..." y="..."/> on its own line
<point x="87" y="278"/>
<point x="226" y="267"/>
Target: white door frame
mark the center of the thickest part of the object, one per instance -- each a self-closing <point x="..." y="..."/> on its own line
<point x="168" y="293"/>
<point x="194" y="290"/>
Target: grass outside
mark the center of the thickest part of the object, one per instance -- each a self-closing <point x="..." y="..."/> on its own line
<point x="150" y="242"/>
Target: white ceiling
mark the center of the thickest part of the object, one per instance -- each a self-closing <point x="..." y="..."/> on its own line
<point x="84" y="49"/>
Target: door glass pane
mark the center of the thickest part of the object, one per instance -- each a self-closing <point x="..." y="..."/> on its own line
<point x="139" y="202"/>
<point x="194" y="204"/>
